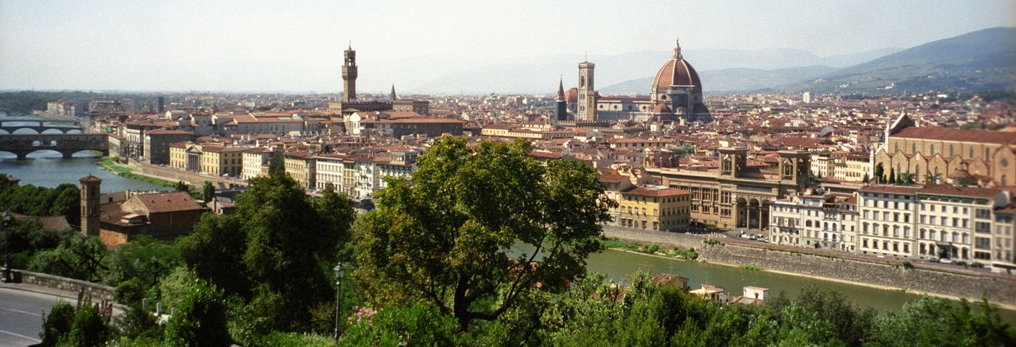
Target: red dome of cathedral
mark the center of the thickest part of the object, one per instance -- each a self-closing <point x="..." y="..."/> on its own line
<point x="676" y="72"/>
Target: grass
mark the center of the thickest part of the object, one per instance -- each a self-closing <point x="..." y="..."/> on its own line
<point x="688" y="254"/>
<point x="110" y="164"/>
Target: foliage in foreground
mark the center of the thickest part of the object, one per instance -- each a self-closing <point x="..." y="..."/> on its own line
<point x="443" y="237"/>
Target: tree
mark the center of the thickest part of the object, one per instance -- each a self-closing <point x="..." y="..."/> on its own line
<point x="892" y="176"/>
<point x="181" y="187"/>
<point x="866" y="178"/>
<point x="879" y="173"/>
<point x="277" y="165"/>
<point x="143" y="259"/>
<point x="200" y="317"/>
<point x="278" y="245"/>
<point x="444" y="236"/>
<point x="208" y="192"/>
<point x="77" y="257"/>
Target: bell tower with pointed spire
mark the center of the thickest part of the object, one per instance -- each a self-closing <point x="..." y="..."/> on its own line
<point x="560" y="104"/>
<point x="349" y="75"/>
<point x="393" y="94"/>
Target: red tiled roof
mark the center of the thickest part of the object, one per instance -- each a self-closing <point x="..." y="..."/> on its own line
<point x="969" y="135"/>
<point x="168" y="202"/>
<point x="642" y="191"/>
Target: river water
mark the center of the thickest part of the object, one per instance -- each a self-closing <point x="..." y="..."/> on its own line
<point x="616" y="265"/>
<point x="48" y="169"/>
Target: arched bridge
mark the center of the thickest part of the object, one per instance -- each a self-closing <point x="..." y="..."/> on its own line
<point x="10" y="125"/>
<point x="67" y="144"/>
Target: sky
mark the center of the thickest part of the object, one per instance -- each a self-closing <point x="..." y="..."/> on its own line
<point x="296" y="46"/>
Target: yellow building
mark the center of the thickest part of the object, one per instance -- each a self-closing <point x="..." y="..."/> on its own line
<point x="654" y="208"/>
<point x="221" y="160"/>
<point x="986" y="158"/>
<point x="300" y="166"/>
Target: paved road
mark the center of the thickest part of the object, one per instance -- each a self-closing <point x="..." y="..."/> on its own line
<point x="21" y="315"/>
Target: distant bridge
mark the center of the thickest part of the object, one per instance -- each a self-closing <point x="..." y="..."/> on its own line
<point x="10" y="125"/>
<point x="67" y="144"/>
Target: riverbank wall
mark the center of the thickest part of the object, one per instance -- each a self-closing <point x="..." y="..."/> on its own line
<point x="174" y="175"/>
<point x="887" y="274"/>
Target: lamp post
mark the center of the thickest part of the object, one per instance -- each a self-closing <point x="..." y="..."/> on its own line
<point x="340" y="271"/>
<point x="7" y="248"/>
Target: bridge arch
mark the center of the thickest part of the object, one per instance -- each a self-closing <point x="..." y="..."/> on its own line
<point x="23" y="131"/>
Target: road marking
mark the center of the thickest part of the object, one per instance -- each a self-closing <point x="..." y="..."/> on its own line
<point x="24" y="312"/>
<point x="21" y="336"/>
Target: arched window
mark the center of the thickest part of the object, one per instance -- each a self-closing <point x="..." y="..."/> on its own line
<point x="932" y="149"/>
<point x="913" y="148"/>
<point x="951" y="151"/>
<point x="971" y="152"/>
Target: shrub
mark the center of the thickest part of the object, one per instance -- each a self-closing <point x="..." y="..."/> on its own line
<point x="89" y="328"/>
<point x="57" y="324"/>
<point x="417" y="325"/>
<point x="200" y="319"/>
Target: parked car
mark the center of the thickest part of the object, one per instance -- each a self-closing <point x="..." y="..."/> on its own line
<point x="933" y="259"/>
<point x="960" y="263"/>
<point x="945" y="261"/>
<point x="977" y="265"/>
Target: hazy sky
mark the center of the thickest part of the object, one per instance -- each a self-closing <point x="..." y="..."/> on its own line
<point x="296" y="45"/>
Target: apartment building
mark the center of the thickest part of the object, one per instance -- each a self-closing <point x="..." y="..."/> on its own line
<point x="888" y="220"/>
<point x="654" y="208"/>
<point x="815" y="221"/>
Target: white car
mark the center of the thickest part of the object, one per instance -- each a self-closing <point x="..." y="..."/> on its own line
<point x="945" y="261"/>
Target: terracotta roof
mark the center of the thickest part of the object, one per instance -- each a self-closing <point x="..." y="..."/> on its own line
<point x="642" y="191"/>
<point x="609" y="178"/>
<point x="90" y="178"/>
<point x="945" y="189"/>
<point x="168" y="132"/>
<point x="891" y="189"/>
<point x="946" y="134"/>
<point x="675" y="72"/>
<point x="168" y="202"/>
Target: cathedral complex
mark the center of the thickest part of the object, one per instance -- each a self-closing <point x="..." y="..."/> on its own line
<point x="674" y="96"/>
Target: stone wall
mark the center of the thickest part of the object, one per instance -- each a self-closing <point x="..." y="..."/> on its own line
<point x="842" y="267"/>
<point x="96" y="291"/>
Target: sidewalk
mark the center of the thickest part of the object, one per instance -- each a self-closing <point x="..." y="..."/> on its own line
<point x="73" y="296"/>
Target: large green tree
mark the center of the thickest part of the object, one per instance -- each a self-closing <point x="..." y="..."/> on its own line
<point x="276" y="251"/>
<point x="447" y="235"/>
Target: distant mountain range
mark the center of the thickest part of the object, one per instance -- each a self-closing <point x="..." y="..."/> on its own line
<point x="539" y="75"/>
<point x="977" y="61"/>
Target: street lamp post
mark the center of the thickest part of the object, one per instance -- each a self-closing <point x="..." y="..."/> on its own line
<point x="7" y="248"/>
<point x="340" y="271"/>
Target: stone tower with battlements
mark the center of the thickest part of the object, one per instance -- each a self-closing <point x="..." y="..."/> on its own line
<point x="349" y="75"/>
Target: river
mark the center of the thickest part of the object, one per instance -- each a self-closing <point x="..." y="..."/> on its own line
<point x="47" y="169"/>
<point x="616" y="265"/>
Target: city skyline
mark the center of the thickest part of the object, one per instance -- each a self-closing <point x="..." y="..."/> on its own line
<point x="297" y="47"/>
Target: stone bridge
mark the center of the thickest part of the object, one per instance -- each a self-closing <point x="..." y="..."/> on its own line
<point x="10" y="125"/>
<point x="67" y="144"/>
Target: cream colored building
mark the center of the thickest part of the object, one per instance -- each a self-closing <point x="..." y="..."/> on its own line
<point x="815" y="221"/>
<point x="253" y="159"/>
<point x="888" y="220"/>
